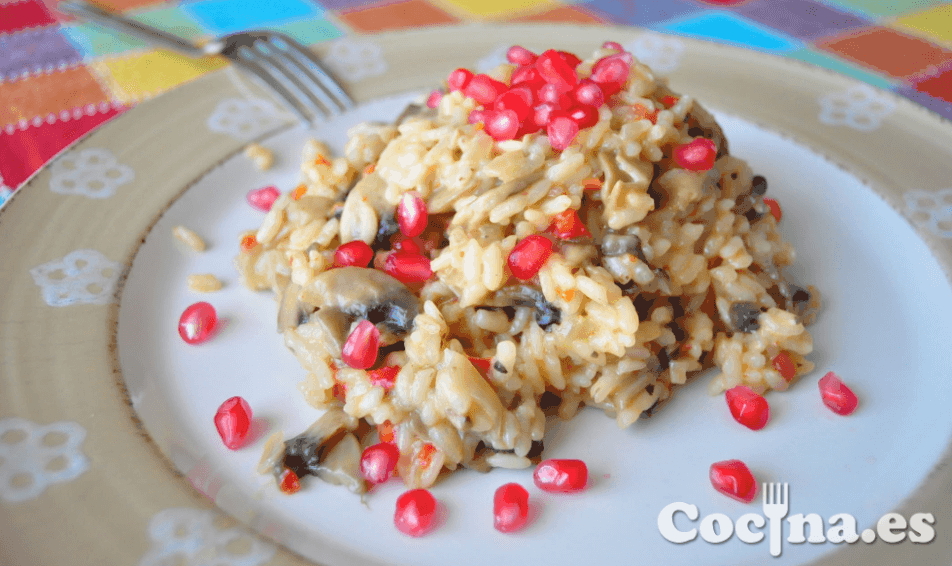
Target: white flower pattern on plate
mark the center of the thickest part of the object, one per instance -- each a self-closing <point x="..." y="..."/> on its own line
<point x="83" y="276"/>
<point x="33" y="457"/>
<point x="355" y="60"/>
<point x="661" y="53"/>
<point x="932" y="210"/>
<point x="91" y="172"/>
<point x="492" y="60"/>
<point x="859" y="107"/>
<point x="191" y="537"/>
<point x="244" y="118"/>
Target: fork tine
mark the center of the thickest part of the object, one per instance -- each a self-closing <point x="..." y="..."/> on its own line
<point x="786" y="494"/>
<point x="764" y="491"/>
<point x="317" y="71"/>
<point x="283" y="73"/>
<point x="254" y="68"/>
<point x="317" y="87"/>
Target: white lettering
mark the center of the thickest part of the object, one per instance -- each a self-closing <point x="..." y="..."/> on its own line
<point x="743" y="528"/>
<point x="921" y="528"/>
<point x="797" y="523"/>
<point x="891" y="528"/>
<point x="724" y="530"/>
<point x="666" y="522"/>
<point x="845" y="532"/>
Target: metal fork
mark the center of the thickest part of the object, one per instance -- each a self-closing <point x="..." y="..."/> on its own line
<point x="776" y="506"/>
<point x="282" y="64"/>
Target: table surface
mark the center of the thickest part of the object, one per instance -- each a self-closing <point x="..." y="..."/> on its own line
<point x="61" y="78"/>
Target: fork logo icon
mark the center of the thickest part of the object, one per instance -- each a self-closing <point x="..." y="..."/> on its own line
<point x="776" y="506"/>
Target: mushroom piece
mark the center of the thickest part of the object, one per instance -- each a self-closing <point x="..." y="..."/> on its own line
<point x="327" y="449"/>
<point x="546" y="313"/>
<point x="338" y="297"/>
<point x="701" y="123"/>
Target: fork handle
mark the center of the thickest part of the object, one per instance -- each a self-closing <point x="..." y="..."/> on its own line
<point x="117" y="22"/>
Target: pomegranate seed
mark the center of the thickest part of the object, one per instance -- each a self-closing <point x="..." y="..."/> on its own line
<point x="747" y="407"/>
<point x="356" y="253"/>
<point x="197" y="323"/>
<point x="484" y="89"/>
<point x="554" y="69"/>
<point x="248" y="243"/>
<point x="386" y="432"/>
<point x="378" y="462"/>
<point x="434" y="99"/>
<point x="412" y="245"/>
<point x="567" y="225"/>
<point x="412" y="215"/>
<point x="384" y="377"/>
<point x="733" y="479"/>
<point x="836" y="395"/>
<point x="556" y="95"/>
<point x="588" y="93"/>
<point x="529" y="255"/>
<point x="518" y="55"/>
<point x="774" y="207"/>
<point x="360" y="349"/>
<point x="233" y="421"/>
<point x="784" y="365"/>
<point x="612" y="69"/>
<point x="542" y="114"/>
<point x="502" y="124"/>
<point x="482" y="365"/>
<point x="510" y="508"/>
<point x="290" y="483"/>
<point x="526" y="76"/>
<point x="584" y="116"/>
<point x="477" y="116"/>
<point x="699" y="155"/>
<point x="561" y="130"/>
<point x="613" y="45"/>
<point x="518" y="99"/>
<point x="416" y="510"/>
<point x="459" y="78"/>
<point x="561" y="476"/>
<point x="263" y="198"/>
<point x="408" y="267"/>
<point x="569" y="58"/>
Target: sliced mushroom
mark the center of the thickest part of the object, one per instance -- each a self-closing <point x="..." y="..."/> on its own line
<point x="340" y="296"/>
<point x="701" y="123"/>
<point x="546" y="313"/>
<point x="291" y="313"/>
<point x="305" y="453"/>
<point x="341" y="465"/>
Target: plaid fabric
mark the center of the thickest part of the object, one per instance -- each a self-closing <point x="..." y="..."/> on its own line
<point x="60" y="78"/>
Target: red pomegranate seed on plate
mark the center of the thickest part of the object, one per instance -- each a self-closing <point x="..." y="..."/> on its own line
<point x="484" y="89"/>
<point x="570" y="58"/>
<point x="356" y="253"/>
<point x="555" y="95"/>
<point x="412" y="245"/>
<point x="561" y="476"/>
<point x="378" y="462"/>
<point x="233" y="421"/>
<point x="408" y="267"/>
<point x="197" y="323"/>
<point x="529" y="255"/>
<point x="412" y="215"/>
<point x="434" y="99"/>
<point x="502" y="124"/>
<point x="416" y="511"/>
<point x="613" y="45"/>
<point x="518" y="55"/>
<point x="561" y="131"/>
<point x="477" y="116"/>
<point x="836" y="395"/>
<point x="510" y="508"/>
<point x="526" y="76"/>
<point x="747" y="407"/>
<point x="784" y="366"/>
<point x="733" y="479"/>
<point x="518" y="99"/>
<point x="459" y="78"/>
<point x="612" y="69"/>
<point x="290" y="482"/>
<point x="554" y="69"/>
<point x="567" y="225"/>
<point x="361" y="347"/>
<point x="263" y="198"/>
<point x="588" y="93"/>
<point x="384" y="377"/>
<point x="774" y="207"/>
<point x="584" y="116"/>
<point x="699" y="155"/>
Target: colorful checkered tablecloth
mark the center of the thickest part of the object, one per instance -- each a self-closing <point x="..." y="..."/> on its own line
<point x="60" y="78"/>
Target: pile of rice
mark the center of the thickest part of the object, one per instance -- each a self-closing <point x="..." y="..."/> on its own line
<point x="684" y="271"/>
